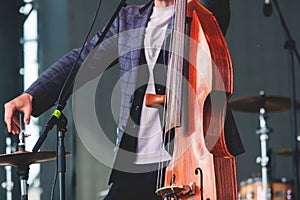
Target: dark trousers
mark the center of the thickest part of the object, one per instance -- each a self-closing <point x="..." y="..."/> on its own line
<point x="134" y="186"/>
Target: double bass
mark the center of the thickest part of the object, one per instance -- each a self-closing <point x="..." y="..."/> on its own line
<point x="199" y="84"/>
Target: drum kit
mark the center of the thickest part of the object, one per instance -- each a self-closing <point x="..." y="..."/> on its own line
<point x="264" y="187"/>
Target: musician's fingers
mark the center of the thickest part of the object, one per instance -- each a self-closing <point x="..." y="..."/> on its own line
<point x="22" y="103"/>
<point x="27" y="112"/>
<point x="15" y="128"/>
<point x="8" y="116"/>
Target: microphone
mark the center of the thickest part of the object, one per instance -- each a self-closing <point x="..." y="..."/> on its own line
<point x="268" y="8"/>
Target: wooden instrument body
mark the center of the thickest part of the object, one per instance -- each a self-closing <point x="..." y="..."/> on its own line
<point x="200" y="155"/>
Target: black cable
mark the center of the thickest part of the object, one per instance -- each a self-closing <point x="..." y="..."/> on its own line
<point x="61" y="100"/>
<point x="62" y="95"/>
<point x="101" y="38"/>
<point x="62" y="91"/>
<point x="53" y="185"/>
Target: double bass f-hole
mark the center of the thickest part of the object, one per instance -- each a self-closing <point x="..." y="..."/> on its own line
<point x="198" y="171"/>
<point x="173" y="179"/>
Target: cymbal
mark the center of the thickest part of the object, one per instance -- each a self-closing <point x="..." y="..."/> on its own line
<point x="23" y="158"/>
<point x="286" y="152"/>
<point x="254" y="103"/>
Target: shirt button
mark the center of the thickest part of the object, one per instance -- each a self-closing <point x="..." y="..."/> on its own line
<point x="136" y="107"/>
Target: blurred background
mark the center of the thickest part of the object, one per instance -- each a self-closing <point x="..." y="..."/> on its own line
<point x="34" y="34"/>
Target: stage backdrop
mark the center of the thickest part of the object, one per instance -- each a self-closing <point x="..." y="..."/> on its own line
<point x="260" y="63"/>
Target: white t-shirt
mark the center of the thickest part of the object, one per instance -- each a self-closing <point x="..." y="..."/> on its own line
<point x="150" y="142"/>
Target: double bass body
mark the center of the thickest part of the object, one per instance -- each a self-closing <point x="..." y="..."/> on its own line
<point x="201" y="166"/>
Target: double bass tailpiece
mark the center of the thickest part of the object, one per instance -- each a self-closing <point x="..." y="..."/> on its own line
<point x="176" y="192"/>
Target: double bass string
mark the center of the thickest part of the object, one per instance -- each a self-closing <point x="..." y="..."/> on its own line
<point x="167" y="49"/>
<point x="172" y="106"/>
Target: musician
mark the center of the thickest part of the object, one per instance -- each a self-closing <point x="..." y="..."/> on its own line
<point x="134" y="116"/>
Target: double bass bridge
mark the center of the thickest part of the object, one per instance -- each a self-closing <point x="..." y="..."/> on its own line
<point x="182" y="191"/>
<point x="176" y="192"/>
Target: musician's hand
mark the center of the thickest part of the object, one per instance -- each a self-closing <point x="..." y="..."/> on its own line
<point x="22" y="103"/>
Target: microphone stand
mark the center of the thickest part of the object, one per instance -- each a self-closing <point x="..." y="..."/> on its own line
<point x="61" y="152"/>
<point x="60" y="120"/>
<point x="290" y="45"/>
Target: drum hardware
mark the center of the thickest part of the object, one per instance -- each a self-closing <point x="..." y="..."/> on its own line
<point x="22" y="159"/>
<point x="9" y="184"/>
<point x="261" y="104"/>
<point x="286" y="152"/>
<point x="263" y="160"/>
<point x="255" y="103"/>
<point x="23" y="169"/>
<point x="251" y="189"/>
